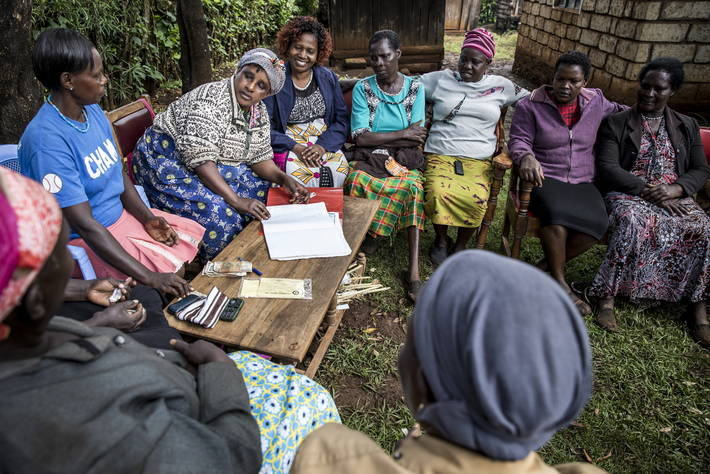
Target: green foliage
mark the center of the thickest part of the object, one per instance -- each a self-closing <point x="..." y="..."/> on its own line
<point x="137" y="40"/>
<point x="140" y="41"/>
<point x="487" y="14"/>
<point x="237" y="26"/>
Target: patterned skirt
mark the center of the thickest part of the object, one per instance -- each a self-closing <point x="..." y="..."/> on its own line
<point x="401" y="200"/>
<point x="653" y="255"/>
<point x="173" y="188"/>
<point x="456" y="200"/>
<point x="331" y="174"/>
<point x="287" y="406"/>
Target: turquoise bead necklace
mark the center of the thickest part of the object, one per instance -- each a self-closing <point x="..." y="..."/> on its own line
<point x="71" y="124"/>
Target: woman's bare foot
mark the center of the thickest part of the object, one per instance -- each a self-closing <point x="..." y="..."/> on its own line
<point x="698" y="326"/>
<point x="605" y="316"/>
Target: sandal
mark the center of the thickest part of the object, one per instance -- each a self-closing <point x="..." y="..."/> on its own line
<point x="606" y="318"/>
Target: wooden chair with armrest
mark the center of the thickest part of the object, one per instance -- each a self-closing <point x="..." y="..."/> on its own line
<point x="501" y="163"/>
<point x="518" y="218"/>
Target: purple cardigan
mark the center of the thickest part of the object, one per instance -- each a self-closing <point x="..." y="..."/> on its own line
<point x="565" y="154"/>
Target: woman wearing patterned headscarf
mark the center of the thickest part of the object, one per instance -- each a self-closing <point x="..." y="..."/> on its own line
<point x="496" y="361"/>
<point x="208" y="157"/>
<point x="91" y="399"/>
<point x="466" y="108"/>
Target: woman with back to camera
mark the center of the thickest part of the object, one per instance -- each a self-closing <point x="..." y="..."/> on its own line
<point x="479" y="376"/>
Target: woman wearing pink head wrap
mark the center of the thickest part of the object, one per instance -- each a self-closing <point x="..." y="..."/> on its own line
<point x="481" y="40"/>
<point x="30" y="223"/>
<point x="466" y="107"/>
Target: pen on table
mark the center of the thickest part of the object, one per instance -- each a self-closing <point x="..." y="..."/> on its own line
<point x="253" y="269"/>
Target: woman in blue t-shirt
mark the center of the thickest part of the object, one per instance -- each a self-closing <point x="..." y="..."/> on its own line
<point x="69" y="148"/>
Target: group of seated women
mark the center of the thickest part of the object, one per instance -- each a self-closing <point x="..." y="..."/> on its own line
<point x="86" y="397"/>
<point x="154" y="403"/>
<point x="647" y="160"/>
<point x="598" y="168"/>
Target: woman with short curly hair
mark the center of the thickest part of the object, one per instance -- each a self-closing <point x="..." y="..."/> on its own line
<point x="309" y="121"/>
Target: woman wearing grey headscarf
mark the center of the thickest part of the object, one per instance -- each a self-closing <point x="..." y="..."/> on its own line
<point x="208" y="157"/>
<point x="496" y="361"/>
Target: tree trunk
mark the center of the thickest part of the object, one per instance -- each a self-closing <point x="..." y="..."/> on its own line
<point x="195" y="64"/>
<point x="19" y="90"/>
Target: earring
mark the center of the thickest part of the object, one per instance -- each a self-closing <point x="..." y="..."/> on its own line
<point x="71" y="89"/>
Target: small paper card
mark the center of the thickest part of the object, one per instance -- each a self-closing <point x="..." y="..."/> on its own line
<point x="286" y="288"/>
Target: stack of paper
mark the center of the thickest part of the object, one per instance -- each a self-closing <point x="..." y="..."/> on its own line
<point x="297" y="231"/>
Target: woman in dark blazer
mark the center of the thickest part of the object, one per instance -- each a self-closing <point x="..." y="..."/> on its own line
<point x="650" y="161"/>
<point x="309" y="120"/>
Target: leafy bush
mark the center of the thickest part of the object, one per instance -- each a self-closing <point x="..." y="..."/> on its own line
<point x="140" y="41"/>
<point x="487" y="14"/>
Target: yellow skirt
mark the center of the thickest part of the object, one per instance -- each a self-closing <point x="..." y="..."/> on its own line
<point x="456" y="200"/>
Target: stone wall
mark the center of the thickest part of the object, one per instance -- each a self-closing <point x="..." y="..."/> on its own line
<point x="619" y="36"/>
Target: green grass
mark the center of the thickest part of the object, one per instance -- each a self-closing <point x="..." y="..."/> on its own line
<point x="651" y="403"/>
<point x="505" y="44"/>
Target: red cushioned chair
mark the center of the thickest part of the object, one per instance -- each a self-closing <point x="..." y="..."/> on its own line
<point x="129" y="122"/>
<point x="705" y="137"/>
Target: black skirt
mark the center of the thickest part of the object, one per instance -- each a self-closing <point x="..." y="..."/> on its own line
<point x="578" y="207"/>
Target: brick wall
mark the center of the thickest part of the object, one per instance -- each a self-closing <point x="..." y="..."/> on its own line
<point x="619" y="36"/>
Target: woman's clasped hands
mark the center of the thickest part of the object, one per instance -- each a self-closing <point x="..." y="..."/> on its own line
<point x="665" y="196"/>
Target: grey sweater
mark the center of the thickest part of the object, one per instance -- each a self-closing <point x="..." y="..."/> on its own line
<point x="104" y="403"/>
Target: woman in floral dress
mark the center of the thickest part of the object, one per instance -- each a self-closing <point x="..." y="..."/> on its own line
<point x="651" y="161"/>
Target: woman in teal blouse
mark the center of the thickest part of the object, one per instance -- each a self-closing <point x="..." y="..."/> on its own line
<point x="386" y="124"/>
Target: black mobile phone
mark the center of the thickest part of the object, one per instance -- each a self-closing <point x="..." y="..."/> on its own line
<point x="230" y="312"/>
<point x="458" y="167"/>
<point x="182" y="304"/>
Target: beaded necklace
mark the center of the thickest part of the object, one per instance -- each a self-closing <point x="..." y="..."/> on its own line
<point x="71" y="124"/>
<point x="306" y="86"/>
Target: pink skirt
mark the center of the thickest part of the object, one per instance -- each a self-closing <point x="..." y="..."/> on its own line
<point x="156" y="257"/>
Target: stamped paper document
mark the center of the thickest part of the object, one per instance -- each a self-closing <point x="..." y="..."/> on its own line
<point x="287" y="288"/>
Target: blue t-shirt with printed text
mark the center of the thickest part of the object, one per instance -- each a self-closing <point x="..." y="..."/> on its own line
<point x="75" y="167"/>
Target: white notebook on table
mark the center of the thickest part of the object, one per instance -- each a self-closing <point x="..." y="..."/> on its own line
<point x="298" y="231"/>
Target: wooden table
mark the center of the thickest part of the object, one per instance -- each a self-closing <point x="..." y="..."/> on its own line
<point x="283" y="328"/>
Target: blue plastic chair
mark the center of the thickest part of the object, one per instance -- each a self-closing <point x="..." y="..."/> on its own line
<point x="8" y="159"/>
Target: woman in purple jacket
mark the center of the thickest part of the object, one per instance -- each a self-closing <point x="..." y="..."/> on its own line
<point x="309" y="120"/>
<point x="552" y="139"/>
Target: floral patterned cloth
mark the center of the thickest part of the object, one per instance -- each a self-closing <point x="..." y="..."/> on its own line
<point x="286" y="405"/>
<point x="336" y="166"/>
<point x="653" y="255"/>
<point x="173" y="188"/>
